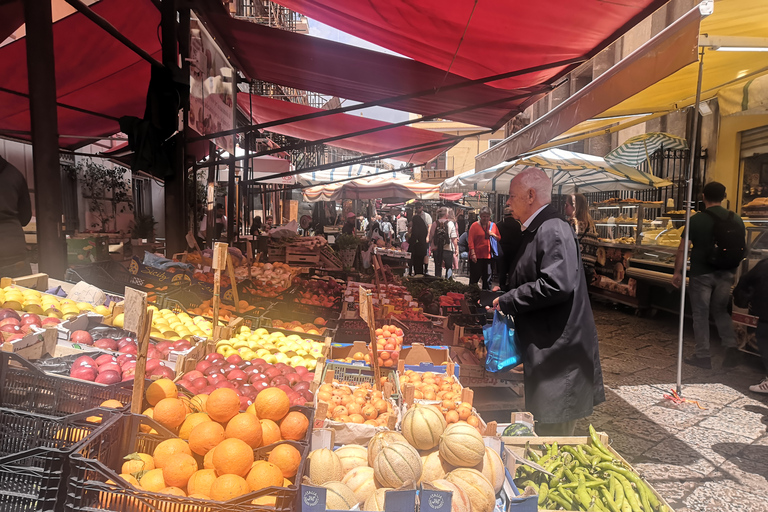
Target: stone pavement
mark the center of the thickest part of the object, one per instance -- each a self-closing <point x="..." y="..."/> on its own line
<point x="712" y="459"/>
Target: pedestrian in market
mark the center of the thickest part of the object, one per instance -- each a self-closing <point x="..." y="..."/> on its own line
<point x="386" y="228"/>
<point x="349" y="226"/>
<point x="443" y="243"/>
<point x="479" y="239"/>
<point x="554" y="325"/>
<point x="402" y="227"/>
<point x="419" y="210"/>
<point x="461" y="223"/>
<point x="577" y="215"/>
<point x="268" y="223"/>
<point x="752" y="293"/>
<point x="256" y="225"/>
<point x="15" y="213"/>
<point x="511" y="236"/>
<point x="710" y="279"/>
<point x="418" y="244"/>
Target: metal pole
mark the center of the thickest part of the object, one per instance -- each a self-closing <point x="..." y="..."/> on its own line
<point x="686" y="242"/>
<point x="232" y="170"/>
<point x="41" y="76"/>
<point x="210" y="213"/>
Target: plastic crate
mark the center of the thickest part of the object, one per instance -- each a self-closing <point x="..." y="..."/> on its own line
<point x="356" y="374"/>
<point x="34" y="456"/>
<point x="96" y="461"/>
<point x="24" y="387"/>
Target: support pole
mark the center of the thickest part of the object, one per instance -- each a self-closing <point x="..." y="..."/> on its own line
<point x="686" y="239"/>
<point x="231" y="196"/>
<point x="41" y="76"/>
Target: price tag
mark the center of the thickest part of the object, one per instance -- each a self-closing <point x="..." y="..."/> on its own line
<point x="413" y="304"/>
<point x="206" y="269"/>
<point x="349" y="298"/>
<point x="407" y="298"/>
<point x="385" y="301"/>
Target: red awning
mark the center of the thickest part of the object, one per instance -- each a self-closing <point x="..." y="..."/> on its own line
<point x="93" y="71"/>
<point x="501" y="35"/>
<point x="11" y="18"/>
<point x="313" y="64"/>
<point x="391" y="140"/>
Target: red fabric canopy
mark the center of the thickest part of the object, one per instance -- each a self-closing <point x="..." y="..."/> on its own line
<point x="93" y="71"/>
<point x="11" y="18"/>
<point x="313" y="64"/>
<point x="267" y="109"/>
<point x="502" y="35"/>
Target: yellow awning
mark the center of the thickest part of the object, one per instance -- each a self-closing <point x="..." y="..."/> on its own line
<point x="731" y="18"/>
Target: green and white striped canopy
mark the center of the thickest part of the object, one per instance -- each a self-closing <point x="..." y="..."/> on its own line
<point x="639" y="148"/>
<point x="570" y="173"/>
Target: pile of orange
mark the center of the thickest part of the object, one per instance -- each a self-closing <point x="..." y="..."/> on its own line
<point x="444" y="388"/>
<point x="213" y="456"/>
<point x="363" y="405"/>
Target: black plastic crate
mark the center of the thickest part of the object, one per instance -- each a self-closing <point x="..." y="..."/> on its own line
<point x="24" y="387"/>
<point x="34" y="456"/>
<point x="96" y="461"/>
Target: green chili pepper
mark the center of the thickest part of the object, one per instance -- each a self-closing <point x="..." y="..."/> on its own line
<point x="596" y="441"/>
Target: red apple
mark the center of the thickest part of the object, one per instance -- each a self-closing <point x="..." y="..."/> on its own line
<point x="272" y="372"/>
<point x="83" y="373"/>
<point x="81" y="338"/>
<point x="297" y="399"/>
<point x="193" y="374"/>
<point x="129" y="366"/>
<point x="301" y="370"/>
<point x="105" y="358"/>
<point x="12" y="337"/>
<point x="199" y="383"/>
<point x="84" y="361"/>
<point x="129" y="349"/>
<point x="31" y="319"/>
<point x="50" y="320"/>
<point x="214" y="357"/>
<point x="125" y="340"/>
<point x="293" y="378"/>
<point x="235" y="359"/>
<point x="127" y="376"/>
<point x="181" y="345"/>
<point x="309" y="377"/>
<point x="106" y="344"/>
<point x="258" y="361"/>
<point x="215" y="378"/>
<point x="163" y="371"/>
<point x="307" y="396"/>
<point x="225" y="384"/>
<point x="110" y="367"/>
<point x="152" y="364"/>
<point x="300" y="386"/>
<point x="10" y="328"/>
<point x="153" y="353"/>
<point x="259" y="385"/>
<point x="8" y="313"/>
<point x="26" y="328"/>
<point x="108" y="377"/>
<point x="202" y="366"/>
<point x="164" y="346"/>
<point x="244" y="403"/>
<point x="236" y="374"/>
<point x="124" y="358"/>
<point x="207" y="390"/>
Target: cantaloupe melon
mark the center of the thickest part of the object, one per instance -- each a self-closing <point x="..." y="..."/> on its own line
<point x="396" y="465"/>
<point x="477" y="488"/>
<point x="339" y="496"/>
<point x="362" y="482"/>
<point x="352" y="456"/>
<point x="492" y="468"/>
<point x="433" y="467"/>
<point x="461" y="445"/>
<point x="375" y="503"/>
<point x="380" y="440"/>
<point x="324" y="466"/>
<point x="422" y="426"/>
<point x="459" y="499"/>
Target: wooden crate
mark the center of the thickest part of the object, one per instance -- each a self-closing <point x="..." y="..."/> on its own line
<point x="517" y="445"/>
<point x="300" y="256"/>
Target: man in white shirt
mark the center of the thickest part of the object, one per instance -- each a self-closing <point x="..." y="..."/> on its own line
<point x="402" y="227"/>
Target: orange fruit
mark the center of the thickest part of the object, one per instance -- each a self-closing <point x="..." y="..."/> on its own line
<point x="233" y="457"/>
<point x="208" y="459"/>
<point x="173" y="490"/>
<point x="451" y="417"/>
<point x="227" y="487"/>
<point x="191" y="422"/>
<point x="294" y="426"/>
<point x="198" y="402"/>
<point x="269" y="501"/>
<point x="143" y="462"/>
<point x="166" y="450"/>
<point x="245" y="427"/>
<point x="200" y="482"/>
<point x="159" y="389"/>
<point x="170" y="412"/>
<point x="222" y="405"/>
<point x="270" y="432"/>
<point x="179" y="468"/>
<point x="205" y="436"/>
<point x="287" y="458"/>
<point x="272" y="404"/>
<point x="252" y="410"/>
<point x="152" y="480"/>
<point x="264" y="474"/>
<point x="112" y="404"/>
<point x="149" y="413"/>
<point x="130" y="479"/>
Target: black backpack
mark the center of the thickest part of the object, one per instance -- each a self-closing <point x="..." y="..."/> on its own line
<point x="441" y="235"/>
<point x="729" y="238"/>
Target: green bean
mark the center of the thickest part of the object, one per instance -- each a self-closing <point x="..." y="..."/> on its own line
<point x="631" y="476"/>
<point x="597" y="453"/>
<point x="554" y="448"/>
<point x="590" y="485"/>
<point x="554" y="481"/>
<point x="532" y="455"/>
<point x="596" y="441"/>
<point x="570" y="476"/>
<point x="552" y="466"/>
<point x="626" y="507"/>
<point x="629" y="493"/>
<point x="567" y="505"/>
<point x="608" y="500"/>
<point x="578" y="455"/>
<point x="582" y="495"/>
<point x="543" y="460"/>
<point x="618" y="493"/>
<point x="543" y="491"/>
<point x="612" y="486"/>
<point x="530" y="483"/>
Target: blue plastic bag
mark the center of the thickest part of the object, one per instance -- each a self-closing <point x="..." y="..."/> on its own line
<point x="499" y="337"/>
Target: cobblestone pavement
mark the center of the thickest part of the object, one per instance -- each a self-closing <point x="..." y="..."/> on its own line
<point x="712" y="459"/>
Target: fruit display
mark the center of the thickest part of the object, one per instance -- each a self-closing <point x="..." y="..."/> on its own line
<point x="585" y="476"/>
<point x="412" y="315"/>
<point x="476" y="344"/>
<point x="212" y="455"/>
<point x="44" y="304"/>
<point x="457" y="460"/>
<point x="355" y="404"/>
<point x="317" y="327"/>
<point x="109" y="369"/>
<point x="271" y="279"/>
<point x="15" y="326"/>
<point x="272" y="347"/>
<point x="451" y="299"/>
<point x="317" y="292"/>
<point x="226" y="311"/>
<point x="249" y="378"/>
<point x="444" y="392"/>
<point x="389" y="341"/>
<point x="173" y="326"/>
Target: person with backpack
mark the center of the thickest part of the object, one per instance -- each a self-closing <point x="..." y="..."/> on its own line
<point x="443" y="243"/>
<point x="483" y="237"/>
<point x="752" y="293"/>
<point x="718" y="238"/>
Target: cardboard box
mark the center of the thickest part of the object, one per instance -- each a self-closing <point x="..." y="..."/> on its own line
<point x="417" y="354"/>
<point x="518" y="446"/>
<point x="34" y="345"/>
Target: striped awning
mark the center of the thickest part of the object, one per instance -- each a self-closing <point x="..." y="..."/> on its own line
<point x="340" y="173"/>
<point x="570" y="172"/>
<point x="379" y="187"/>
<point x="639" y="148"/>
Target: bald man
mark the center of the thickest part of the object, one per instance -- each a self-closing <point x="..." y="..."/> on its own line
<point x="554" y="324"/>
